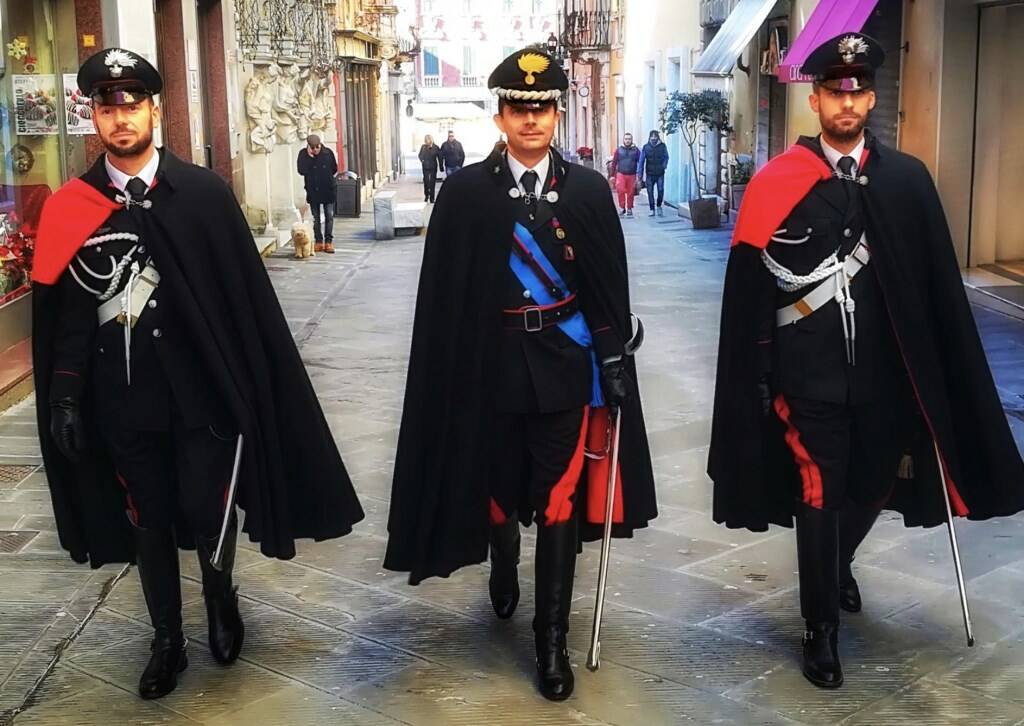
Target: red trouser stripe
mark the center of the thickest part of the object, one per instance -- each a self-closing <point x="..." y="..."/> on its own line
<point x="560" y="500"/>
<point x="810" y="474"/>
<point x="497" y="515"/>
<point x="133" y="513"/>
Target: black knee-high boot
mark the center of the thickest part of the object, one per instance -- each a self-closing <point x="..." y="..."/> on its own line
<point x="855" y="521"/>
<point x="555" y="567"/>
<point x="504" y="581"/>
<point x="224" y="622"/>
<point x="817" y="543"/>
<point x="157" y="558"/>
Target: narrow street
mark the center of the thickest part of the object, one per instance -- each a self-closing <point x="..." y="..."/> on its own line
<point x="703" y="624"/>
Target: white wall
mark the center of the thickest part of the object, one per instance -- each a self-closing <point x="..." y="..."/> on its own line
<point x="662" y="36"/>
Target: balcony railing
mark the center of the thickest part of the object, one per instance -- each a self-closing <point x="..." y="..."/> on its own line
<point x="431" y="81"/>
<point x="587" y="30"/>
<point x="472" y="81"/>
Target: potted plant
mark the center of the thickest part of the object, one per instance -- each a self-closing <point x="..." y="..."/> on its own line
<point x="740" y="172"/>
<point x="690" y="114"/>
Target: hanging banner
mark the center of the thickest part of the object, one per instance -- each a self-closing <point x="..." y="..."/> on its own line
<point x="36" y="105"/>
<point x="77" y="108"/>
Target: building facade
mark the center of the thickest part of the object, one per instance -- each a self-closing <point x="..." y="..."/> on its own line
<point x="662" y="39"/>
<point x="461" y="41"/>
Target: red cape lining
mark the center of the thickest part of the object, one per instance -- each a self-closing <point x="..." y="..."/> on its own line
<point x="69" y="217"/>
<point x="776" y="190"/>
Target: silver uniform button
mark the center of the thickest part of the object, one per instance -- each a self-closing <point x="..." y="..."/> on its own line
<point x="99" y="250"/>
<point x="526" y="294"/>
<point x="847" y="232"/>
<point x="810" y="230"/>
<point x="152" y="304"/>
<point x="157" y="332"/>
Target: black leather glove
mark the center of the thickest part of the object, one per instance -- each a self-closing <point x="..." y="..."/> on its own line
<point x="764" y="393"/>
<point x="616" y="383"/>
<point x="67" y="429"/>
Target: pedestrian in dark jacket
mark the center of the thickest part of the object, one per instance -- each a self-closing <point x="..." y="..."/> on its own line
<point x="653" y="162"/>
<point x="452" y="154"/>
<point x="626" y="162"/>
<point x="318" y="166"/>
<point x="430" y="160"/>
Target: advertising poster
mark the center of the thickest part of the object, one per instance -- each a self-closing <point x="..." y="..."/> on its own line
<point x="77" y="107"/>
<point x="36" y="105"/>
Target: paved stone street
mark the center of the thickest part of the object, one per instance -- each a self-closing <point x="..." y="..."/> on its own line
<point x="703" y="625"/>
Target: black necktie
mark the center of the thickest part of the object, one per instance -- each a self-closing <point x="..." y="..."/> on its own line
<point x="529" y="182"/>
<point x="136" y="188"/>
<point x="846" y="165"/>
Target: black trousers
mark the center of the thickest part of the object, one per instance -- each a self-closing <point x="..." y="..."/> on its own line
<point x="539" y="463"/>
<point x="655" y="181"/>
<point x="164" y="473"/>
<point x="847" y="451"/>
<point x="429" y="182"/>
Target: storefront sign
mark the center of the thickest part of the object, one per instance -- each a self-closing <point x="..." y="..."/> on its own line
<point x="77" y="107"/>
<point x="36" y="105"/>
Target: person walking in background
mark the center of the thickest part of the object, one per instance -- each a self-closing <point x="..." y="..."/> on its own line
<point x="626" y="162"/>
<point x="318" y="166"/>
<point x="452" y="154"/>
<point x="653" y="162"/>
<point x="430" y="160"/>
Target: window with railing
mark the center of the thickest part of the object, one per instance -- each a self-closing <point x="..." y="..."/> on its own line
<point x="431" y="68"/>
<point x="585" y="28"/>
<point x="472" y="81"/>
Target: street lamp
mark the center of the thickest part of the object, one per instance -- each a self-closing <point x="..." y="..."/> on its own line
<point x="552" y="44"/>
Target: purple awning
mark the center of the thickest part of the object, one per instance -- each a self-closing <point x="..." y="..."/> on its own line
<point x="829" y="19"/>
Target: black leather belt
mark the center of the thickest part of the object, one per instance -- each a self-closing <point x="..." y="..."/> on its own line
<point x="535" y="319"/>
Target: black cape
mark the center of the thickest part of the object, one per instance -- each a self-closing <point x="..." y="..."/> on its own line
<point x="755" y="479"/>
<point x="440" y="500"/>
<point x="292" y="482"/>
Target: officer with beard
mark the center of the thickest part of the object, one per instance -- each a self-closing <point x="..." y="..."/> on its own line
<point x="849" y="364"/>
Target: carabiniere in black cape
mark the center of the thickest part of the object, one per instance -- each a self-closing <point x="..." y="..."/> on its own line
<point x="439" y="504"/>
<point x="756" y="481"/>
<point x="292" y="482"/>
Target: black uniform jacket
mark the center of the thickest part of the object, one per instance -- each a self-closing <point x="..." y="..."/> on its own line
<point x="918" y="278"/>
<point x="446" y="449"/>
<point x="546" y="371"/>
<point x="165" y="365"/>
<point x="292" y="483"/>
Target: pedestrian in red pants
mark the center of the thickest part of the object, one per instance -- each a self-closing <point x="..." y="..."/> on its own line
<point x="625" y="163"/>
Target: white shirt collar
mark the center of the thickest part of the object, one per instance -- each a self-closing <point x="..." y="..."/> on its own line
<point x="518" y="168"/>
<point x="148" y="173"/>
<point x="834" y="155"/>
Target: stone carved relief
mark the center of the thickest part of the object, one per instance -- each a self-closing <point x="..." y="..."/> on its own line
<point x="284" y="104"/>
<point x="260" y="94"/>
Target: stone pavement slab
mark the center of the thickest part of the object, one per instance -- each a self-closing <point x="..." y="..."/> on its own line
<point x="702" y="624"/>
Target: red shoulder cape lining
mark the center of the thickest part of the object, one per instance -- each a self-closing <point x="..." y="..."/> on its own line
<point x="69" y="217"/>
<point x="774" y="191"/>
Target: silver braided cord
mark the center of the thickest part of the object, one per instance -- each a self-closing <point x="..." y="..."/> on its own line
<point x="788" y="281"/>
<point x="511" y="94"/>
<point x="93" y="241"/>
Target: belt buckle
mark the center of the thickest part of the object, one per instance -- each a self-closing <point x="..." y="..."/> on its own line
<point x="539" y="325"/>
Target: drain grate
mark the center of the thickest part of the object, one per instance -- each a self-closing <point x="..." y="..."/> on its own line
<point x="14" y="473"/>
<point x="12" y="541"/>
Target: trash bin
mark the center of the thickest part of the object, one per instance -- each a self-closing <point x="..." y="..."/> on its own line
<point x="347" y="196"/>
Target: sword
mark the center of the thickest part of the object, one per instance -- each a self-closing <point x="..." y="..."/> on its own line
<point x="229" y="510"/>
<point x="594" y="657"/>
<point x="956" y="550"/>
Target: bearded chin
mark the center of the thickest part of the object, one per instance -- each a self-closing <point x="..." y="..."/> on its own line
<point x="134" y="150"/>
<point x="845" y="134"/>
